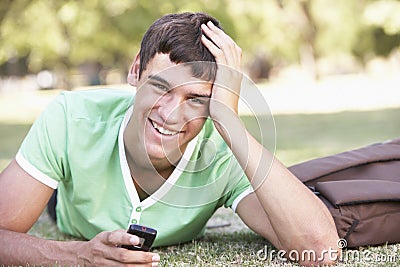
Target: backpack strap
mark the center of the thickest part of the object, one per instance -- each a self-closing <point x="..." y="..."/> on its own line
<point x="352" y="192"/>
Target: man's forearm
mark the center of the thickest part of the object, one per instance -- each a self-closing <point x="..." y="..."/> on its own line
<point x="23" y="249"/>
<point x="299" y="219"/>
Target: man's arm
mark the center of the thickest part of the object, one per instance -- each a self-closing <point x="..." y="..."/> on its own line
<point x="22" y="200"/>
<point x="298" y="219"/>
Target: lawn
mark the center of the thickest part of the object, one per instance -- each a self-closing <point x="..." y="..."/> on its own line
<point x="299" y="137"/>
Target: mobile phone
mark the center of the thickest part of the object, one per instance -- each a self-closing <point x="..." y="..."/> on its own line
<point x="146" y="236"/>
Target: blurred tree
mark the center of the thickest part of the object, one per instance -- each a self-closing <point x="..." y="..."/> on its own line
<point x="95" y="33"/>
<point x="383" y="20"/>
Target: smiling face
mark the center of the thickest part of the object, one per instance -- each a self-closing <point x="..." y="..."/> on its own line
<point x="170" y="109"/>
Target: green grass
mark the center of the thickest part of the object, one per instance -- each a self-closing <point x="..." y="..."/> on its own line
<point x="302" y="137"/>
<point x="11" y="136"/>
<point x="299" y="137"/>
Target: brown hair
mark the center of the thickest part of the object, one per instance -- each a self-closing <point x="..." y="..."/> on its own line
<point x="179" y="35"/>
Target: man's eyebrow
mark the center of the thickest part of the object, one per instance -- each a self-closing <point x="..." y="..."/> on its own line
<point x="160" y="79"/>
<point x="199" y="95"/>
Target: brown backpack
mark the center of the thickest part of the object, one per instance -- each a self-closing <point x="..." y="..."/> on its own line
<point x="361" y="189"/>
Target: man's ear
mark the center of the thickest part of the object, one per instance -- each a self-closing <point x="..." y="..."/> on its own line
<point x="133" y="75"/>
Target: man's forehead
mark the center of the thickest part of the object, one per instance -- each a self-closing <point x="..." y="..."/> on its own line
<point x="175" y="77"/>
<point x="162" y="68"/>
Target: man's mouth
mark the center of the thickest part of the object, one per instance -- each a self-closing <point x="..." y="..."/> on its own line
<point x="161" y="129"/>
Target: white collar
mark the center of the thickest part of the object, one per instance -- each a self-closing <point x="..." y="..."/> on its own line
<point x="170" y="182"/>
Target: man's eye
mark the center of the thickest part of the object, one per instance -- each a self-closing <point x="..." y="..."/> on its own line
<point x="197" y="100"/>
<point x="160" y="86"/>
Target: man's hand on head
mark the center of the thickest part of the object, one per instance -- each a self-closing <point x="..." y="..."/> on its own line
<point x="226" y="88"/>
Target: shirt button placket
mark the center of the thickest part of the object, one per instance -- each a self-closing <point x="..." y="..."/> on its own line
<point x="136" y="213"/>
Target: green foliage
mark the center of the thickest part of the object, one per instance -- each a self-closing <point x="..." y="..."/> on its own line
<point x="73" y="32"/>
<point x="338" y="24"/>
<point x="384" y="14"/>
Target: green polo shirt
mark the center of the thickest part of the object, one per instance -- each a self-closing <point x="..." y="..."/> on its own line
<point x="76" y="145"/>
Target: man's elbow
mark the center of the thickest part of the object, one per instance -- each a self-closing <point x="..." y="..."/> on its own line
<point x="317" y="250"/>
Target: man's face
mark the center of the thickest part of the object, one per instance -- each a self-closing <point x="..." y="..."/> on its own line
<point x="170" y="108"/>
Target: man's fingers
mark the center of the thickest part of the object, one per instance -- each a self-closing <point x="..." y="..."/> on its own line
<point x="223" y="48"/>
<point x="125" y="259"/>
<point x="214" y="50"/>
<point x="108" y="248"/>
<point x="131" y="256"/>
<point x="113" y="251"/>
<point x="120" y="237"/>
<point x="215" y="36"/>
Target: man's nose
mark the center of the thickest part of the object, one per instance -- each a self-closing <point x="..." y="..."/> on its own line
<point x="171" y="109"/>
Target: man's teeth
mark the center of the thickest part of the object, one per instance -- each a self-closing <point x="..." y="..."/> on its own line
<point x="162" y="130"/>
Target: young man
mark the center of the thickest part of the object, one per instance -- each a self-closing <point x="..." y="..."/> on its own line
<point x="166" y="157"/>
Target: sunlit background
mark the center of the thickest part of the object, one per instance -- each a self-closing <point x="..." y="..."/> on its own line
<point x="64" y="44"/>
<point x="328" y="69"/>
<point x="307" y="57"/>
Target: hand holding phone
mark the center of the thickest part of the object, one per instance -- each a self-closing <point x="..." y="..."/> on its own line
<point x="146" y="236"/>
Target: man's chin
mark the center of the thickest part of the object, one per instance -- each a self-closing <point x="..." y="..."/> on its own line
<point x="164" y="156"/>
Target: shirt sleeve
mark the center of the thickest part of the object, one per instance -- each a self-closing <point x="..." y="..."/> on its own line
<point x="239" y="184"/>
<point x="43" y="153"/>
